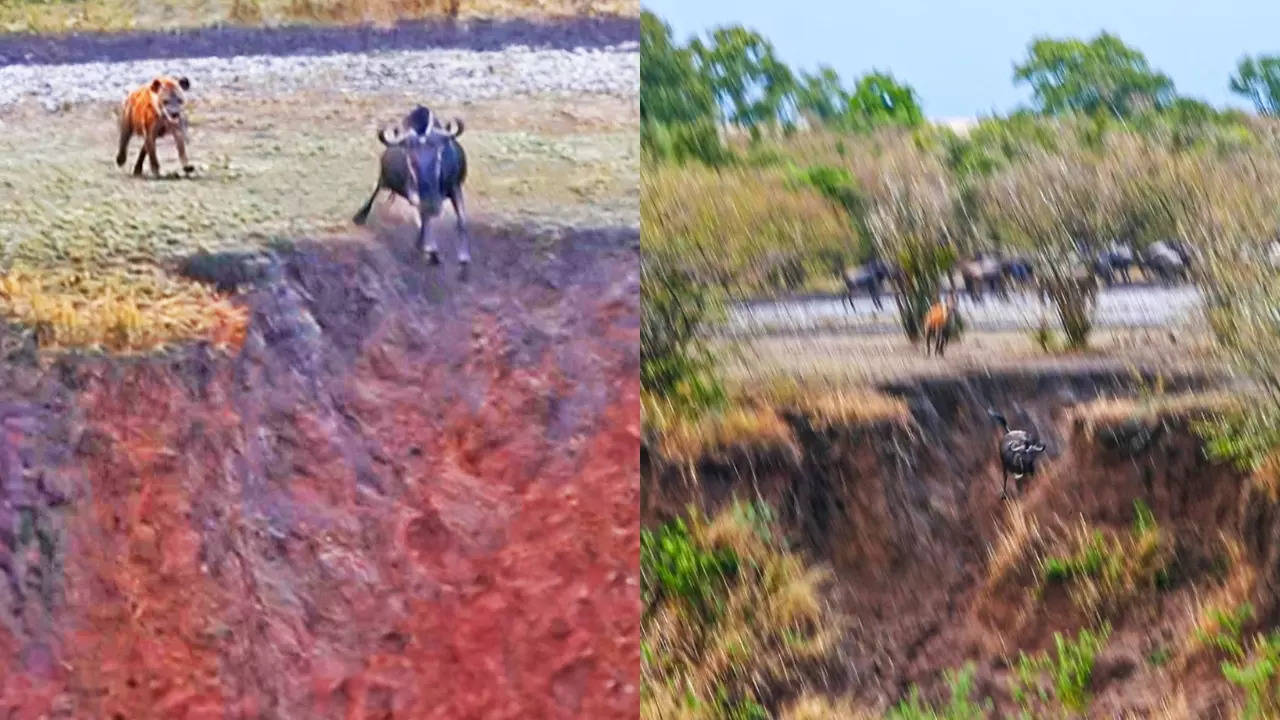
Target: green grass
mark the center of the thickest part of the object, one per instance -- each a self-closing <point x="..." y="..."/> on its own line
<point x="1062" y="677"/>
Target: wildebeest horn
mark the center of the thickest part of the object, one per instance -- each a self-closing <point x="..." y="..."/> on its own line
<point x="395" y="139"/>
<point x="454" y="127"/>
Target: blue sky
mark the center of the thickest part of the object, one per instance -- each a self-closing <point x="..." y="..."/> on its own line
<point x="959" y="54"/>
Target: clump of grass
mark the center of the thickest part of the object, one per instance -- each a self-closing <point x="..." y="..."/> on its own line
<point x="117" y="311"/>
<point x="1044" y="337"/>
<point x="960" y="704"/>
<point x="830" y="404"/>
<point x="1062" y="677"/>
<point x="819" y="707"/>
<point x="736" y="425"/>
<point x="1257" y="676"/>
<point x="1105" y="570"/>
<point x="1218" y="620"/>
<point x="729" y="612"/>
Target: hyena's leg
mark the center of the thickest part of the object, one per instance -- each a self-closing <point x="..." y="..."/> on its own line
<point x="142" y="155"/>
<point x="126" y="133"/>
<point x="180" y="139"/>
<point x="151" y="153"/>
<point x="464" y="242"/>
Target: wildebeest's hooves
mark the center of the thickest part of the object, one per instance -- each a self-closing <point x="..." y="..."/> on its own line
<point x="433" y="257"/>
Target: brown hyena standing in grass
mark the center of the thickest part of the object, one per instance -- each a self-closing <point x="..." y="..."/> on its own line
<point x="153" y="111"/>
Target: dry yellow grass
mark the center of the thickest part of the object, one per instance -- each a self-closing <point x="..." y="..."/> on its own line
<point x="1150" y="407"/>
<point x="745" y="229"/>
<point x="817" y="707"/>
<point x="1235" y="591"/>
<point x="1018" y="544"/>
<point x="39" y="16"/>
<point x="118" y="312"/>
<point x="753" y="417"/>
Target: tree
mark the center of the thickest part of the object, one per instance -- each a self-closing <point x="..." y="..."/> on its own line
<point x="753" y="87"/>
<point x="1259" y="80"/>
<point x="821" y="97"/>
<point x="677" y="107"/>
<point x="1102" y="75"/>
<point x="879" y="100"/>
<point x="672" y="91"/>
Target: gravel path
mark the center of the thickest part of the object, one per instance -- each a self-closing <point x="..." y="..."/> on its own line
<point x="443" y="74"/>
<point x="1120" y="307"/>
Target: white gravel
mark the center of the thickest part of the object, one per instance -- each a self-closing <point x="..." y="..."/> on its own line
<point x="1117" y="307"/>
<point x="446" y="74"/>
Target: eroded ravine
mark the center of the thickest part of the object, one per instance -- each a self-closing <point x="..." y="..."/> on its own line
<point x="406" y="496"/>
<point x="906" y="512"/>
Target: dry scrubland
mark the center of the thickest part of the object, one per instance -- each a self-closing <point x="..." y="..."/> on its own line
<point x="82" y="15"/>
<point x="89" y="251"/>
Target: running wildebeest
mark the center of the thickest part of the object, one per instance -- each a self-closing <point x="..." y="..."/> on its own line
<point x="1018" y="452"/>
<point x="1019" y="271"/>
<point x="983" y="270"/>
<point x="424" y="164"/>
<point x="869" y="277"/>
<point x="1166" y="262"/>
<point x="1116" y="258"/>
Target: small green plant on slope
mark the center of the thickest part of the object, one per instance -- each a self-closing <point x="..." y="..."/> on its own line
<point x="1258" y="678"/>
<point x="960" y="705"/>
<point x="1224" y="630"/>
<point x="1058" y="683"/>
<point x="1106" y="570"/>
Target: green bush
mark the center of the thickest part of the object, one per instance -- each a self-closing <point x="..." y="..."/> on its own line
<point x="1061" y="677"/>
<point x="960" y="705"/>
<point x="673" y="567"/>
<point x="1258" y="678"/>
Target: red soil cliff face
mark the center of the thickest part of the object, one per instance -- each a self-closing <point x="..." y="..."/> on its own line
<point x="406" y="497"/>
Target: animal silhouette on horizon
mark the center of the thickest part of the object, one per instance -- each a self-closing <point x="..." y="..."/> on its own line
<point x="1018" y="452"/>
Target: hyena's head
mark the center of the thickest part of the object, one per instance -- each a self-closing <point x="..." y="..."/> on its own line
<point x="169" y="95"/>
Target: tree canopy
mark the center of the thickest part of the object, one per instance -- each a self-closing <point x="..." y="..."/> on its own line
<point x="1102" y="75"/>
<point x="1259" y="80"/>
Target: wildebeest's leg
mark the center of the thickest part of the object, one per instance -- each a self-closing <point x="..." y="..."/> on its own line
<point x="460" y="211"/>
<point x="427" y="244"/>
<point x="126" y="133"/>
<point x="875" y="295"/>
<point x="1004" y="487"/>
<point x="180" y="139"/>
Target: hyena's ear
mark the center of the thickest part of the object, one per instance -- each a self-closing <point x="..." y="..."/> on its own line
<point x="156" y="85"/>
<point x="184" y="83"/>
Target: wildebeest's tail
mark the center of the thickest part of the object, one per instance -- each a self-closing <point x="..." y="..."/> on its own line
<point x="998" y="418"/>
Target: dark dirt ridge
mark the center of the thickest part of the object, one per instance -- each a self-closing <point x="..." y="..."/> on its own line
<point x="229" y="41"/>
<point x="399" y="476"/>
<point x="904" y="513"/>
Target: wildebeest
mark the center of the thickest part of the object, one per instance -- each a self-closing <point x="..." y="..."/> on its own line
<point x="424" y="163"/>
<point x="983" y="271"/>
<point x="940" y="324"/>
<point x="1019" y="271"/>
<point x="1113" y="259"/>
<point x="1163" y="259"/>
<point x="1018" y="452"/>
<point x="868" y="277"/>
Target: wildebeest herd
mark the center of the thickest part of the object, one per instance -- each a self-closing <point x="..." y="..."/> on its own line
<point x="992" y="273"/>
<point x="422" y="161"/>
